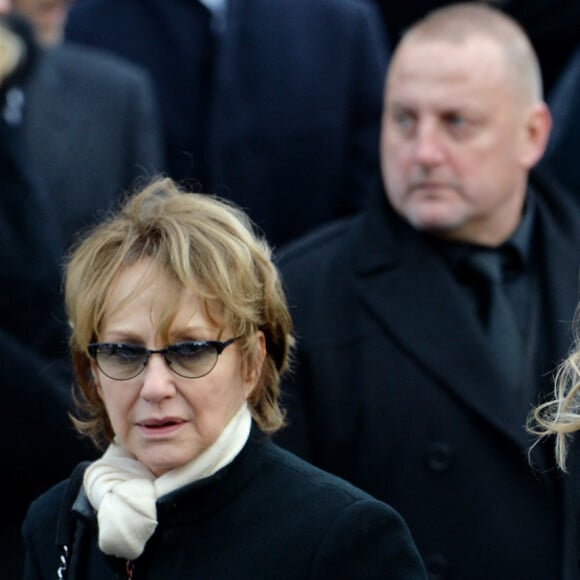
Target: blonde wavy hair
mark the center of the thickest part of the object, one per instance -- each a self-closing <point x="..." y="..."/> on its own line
<point x="197" y="242"/>
<point x="560" y="416"/>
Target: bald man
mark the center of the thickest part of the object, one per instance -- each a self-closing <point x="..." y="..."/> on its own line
<point x="407" y="381"/>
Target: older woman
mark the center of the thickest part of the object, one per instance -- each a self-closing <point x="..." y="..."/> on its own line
<point x="180" y="332"/>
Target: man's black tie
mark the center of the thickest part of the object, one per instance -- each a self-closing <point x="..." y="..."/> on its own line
<point x="499" y="319"/>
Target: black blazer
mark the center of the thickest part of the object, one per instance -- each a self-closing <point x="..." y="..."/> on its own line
<point x="267" y="515"/>
<point x="40" y="446"/>
<point x="296" y="98"/>
<point x="91" y="128"/>
<point x="394" y="389"/>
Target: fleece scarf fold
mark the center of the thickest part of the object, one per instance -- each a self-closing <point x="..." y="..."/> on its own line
<point x="124" y="492"/>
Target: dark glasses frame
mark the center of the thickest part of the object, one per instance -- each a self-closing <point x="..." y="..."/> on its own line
<point x="217" y="345"/>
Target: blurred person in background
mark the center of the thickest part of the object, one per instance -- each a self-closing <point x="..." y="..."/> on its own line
<point x="40" y="446"/>
<point x="47" y="17"/>
<point x="274" y="104"/>
<point x="90" y="121"/>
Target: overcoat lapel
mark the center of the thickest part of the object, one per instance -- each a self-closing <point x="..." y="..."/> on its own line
<point x="559" y="255"/>
<point x="559" y="243"/>
<point x="46" y="120"/>
<point x="226" y="119"/>
<point x="432" y="321"/>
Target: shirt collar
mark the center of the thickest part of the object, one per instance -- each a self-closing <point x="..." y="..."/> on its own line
<point x="215" y="7"/>
<point x="521" y="239"/>
<point x="518" y="246"/>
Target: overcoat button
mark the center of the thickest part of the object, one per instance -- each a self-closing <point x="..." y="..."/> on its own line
<point x="439" y="457"/>
<point x="437" y="566"/>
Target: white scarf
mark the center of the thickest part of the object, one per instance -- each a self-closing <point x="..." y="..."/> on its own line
<point x="123" y="491"/>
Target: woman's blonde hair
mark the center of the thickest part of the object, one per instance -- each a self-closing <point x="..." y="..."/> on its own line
<point x="560" y="417"/>
<point x="197" y="242"/>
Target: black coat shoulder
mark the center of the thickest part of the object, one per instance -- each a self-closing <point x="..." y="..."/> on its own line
<point x="266" y="515"/>
<point x="42" y="559"/>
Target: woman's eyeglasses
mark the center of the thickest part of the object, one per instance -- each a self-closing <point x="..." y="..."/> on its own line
<point x="190" y="359"/>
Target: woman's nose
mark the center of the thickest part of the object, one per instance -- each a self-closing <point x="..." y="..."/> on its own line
<point x="158" y="379"/>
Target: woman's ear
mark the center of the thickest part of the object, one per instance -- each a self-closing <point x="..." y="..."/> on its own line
<point x="253" y="366"/>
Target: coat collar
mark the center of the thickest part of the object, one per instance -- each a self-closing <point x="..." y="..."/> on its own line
<point x="45" y="118"/>
<point x="200" y="498"/>
<point x="430" y="317"/>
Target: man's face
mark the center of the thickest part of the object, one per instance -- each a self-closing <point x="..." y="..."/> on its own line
<point x="5" y="6"/>
<point x="453" y="140"/>
<point x="48" y="17"/>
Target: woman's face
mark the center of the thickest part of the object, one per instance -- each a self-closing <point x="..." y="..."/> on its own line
<point x="163" y="419"/>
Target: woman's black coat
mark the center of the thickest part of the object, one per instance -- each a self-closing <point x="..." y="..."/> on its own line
<point x="268" y="515"/>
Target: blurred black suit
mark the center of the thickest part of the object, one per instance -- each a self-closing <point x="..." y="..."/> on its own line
<point x="39" y="446"/>
<point x="91" y="128"/>
<point x="282" y="115"/>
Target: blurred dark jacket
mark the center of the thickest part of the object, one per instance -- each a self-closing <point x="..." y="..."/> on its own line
<point x="91" y="129"/>
<point x="277" y="107"/>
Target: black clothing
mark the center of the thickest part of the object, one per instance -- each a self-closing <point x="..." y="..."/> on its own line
<point x="278" y="109"/>
<point x="396" y="389"/>
<point x="40" y="446"/>
<point x="90" y="131"/>
<point x="266" y="515"/>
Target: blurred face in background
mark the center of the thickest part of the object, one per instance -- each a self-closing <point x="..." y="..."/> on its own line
<point x="458" y="139"/>
<point x="5" y="6"/>
<point x="12" y="49"/>
<point x="47" y="17"/>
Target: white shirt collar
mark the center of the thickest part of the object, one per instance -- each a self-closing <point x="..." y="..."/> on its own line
<point x="214" y="6"/>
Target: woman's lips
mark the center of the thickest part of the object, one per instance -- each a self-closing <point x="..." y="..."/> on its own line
<point x="160" y="427"/>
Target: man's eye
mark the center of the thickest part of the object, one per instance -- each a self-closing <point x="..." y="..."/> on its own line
<point x="404" y="120"/>
<point x="456" y="120"/>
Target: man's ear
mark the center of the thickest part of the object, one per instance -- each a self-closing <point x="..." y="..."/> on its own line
<point x="537" y="132"/>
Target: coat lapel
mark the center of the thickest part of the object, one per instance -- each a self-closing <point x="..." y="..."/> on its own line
<point x="559" y="243"/>
<point x="48" y="120"/>
<point x="432" y="321"/>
